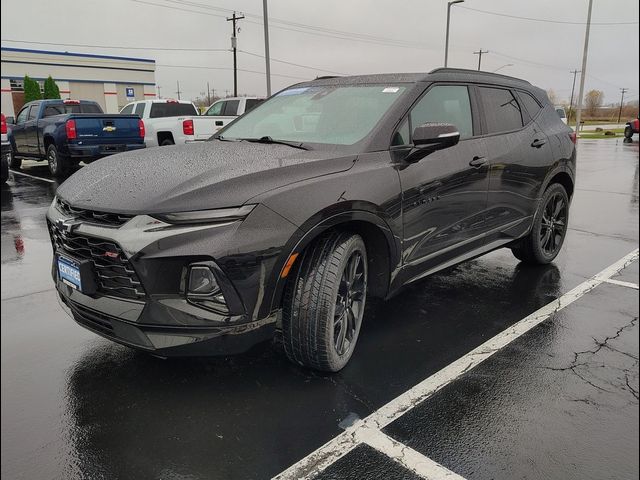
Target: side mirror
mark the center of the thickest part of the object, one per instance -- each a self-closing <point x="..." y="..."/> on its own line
<point x="430" y="137"/>
<point x="11" y="120"/>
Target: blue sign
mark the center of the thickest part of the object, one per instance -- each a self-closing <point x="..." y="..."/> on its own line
<point x="130" y="92"/>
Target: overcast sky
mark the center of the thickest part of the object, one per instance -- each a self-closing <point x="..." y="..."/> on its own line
<point x="341" y="36"/>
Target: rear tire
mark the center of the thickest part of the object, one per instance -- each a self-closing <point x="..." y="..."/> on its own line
<point x="58" y="163"/>
<point x="628" y="132"/>
<point x="324" y="302"/>
<point x="4" y="170"/>
<point x="544" y="241"/>
<point x="14" y="162"/>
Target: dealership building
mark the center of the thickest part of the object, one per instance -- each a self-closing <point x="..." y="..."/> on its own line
<point x="109" y="80"/>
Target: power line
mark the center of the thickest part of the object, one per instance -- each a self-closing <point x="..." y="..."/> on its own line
<point x="544" y="20"/>
<point x="230" y="68"/>
<point x="292" y="63"/>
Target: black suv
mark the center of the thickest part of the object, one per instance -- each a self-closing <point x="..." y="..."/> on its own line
<point x="330" y="191"/>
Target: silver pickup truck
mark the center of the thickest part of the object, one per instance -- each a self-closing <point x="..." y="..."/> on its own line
<point x="228" y="109"/>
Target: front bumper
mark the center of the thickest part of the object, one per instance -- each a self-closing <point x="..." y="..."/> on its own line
<point x="161" y="319"/>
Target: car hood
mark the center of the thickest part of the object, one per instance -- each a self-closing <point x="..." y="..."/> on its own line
<point x="206" y="175"/>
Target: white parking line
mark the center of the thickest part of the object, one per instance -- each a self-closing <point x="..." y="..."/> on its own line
<point x="404" y="455"/>
<point x="622" y="283"/>
<point x="33" y="176"/>
<point x="354" y="435"/>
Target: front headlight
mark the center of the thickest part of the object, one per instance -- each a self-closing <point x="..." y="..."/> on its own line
<point x="206" y="216"/>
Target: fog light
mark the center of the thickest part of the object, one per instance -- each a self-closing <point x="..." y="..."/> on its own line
<point x="202" y="281"/>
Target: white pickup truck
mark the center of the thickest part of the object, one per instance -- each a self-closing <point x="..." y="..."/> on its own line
<point x="226" y="110"/>
<point x="169" y="122"/>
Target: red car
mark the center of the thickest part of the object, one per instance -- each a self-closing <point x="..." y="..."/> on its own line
<point x="632" y="127"/>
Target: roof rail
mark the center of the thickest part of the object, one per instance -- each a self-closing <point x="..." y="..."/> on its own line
<point x="477" y="72"/>
<point x="325" y="77"/>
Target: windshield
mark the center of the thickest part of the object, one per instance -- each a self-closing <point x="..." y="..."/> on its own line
<point x="336" y="115"/>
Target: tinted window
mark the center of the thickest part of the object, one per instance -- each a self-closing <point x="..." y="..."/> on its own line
<point x="231" y="108"/>
<point x="63" y="109"/>
<point x="501" y="110"/>
<point x="530" y="104"/>
<point x="215" y="109"/>
<point x="402" y="135"/>
<point x="22" y="116"/>
<point x="560" y="112"/>
<point x="139" y="110"/>
<point x="33" y="113"/>
<point x="445" y="104"/>
<point x="127" y="110"/>
<point x="159" y="110"/>
<point x="251" y="104"/>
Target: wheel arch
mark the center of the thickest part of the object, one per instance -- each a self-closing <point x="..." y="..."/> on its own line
<point x="382" y="247"/>
<point x="562" y="175"/>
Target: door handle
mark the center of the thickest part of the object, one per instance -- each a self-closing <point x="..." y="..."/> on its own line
<point x="477" y="161"/>
<point x="537" y="143"/>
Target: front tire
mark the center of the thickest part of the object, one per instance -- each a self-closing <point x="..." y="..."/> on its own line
<point x="544" y="241"/>
<point x="324" y="302"/>
<point x="58" y="163"/>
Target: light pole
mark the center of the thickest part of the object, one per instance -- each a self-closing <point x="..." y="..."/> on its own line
<point x="573" y="88"/>
<point x="583" y="71"/>
<point x="266" y="46"/>
<point x="503" y="66"/>
<point x="446" y="42"/>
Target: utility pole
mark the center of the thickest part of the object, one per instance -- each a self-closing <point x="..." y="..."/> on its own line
<point x="178" y="92"/>
<point x="266" y="46"/>
<point x="446" y="41"/>
<point x="573" y="87"/>
<point x="234" y="47"/>
<point x="623" y="91"/>
<point x="583" y="72"/>
<point x="208" y="94"/>
<point x="479" y="53"/>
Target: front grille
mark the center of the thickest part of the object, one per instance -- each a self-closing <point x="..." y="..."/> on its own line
<point x="115" y="274"/>
<point x="93" y="216"/>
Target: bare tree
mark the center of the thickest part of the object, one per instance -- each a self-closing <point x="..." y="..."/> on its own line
<point x="553" y="98"/>
<point x="593" y="101"/>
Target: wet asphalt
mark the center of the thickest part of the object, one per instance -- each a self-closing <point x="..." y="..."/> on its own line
<point x="559" y="402"/>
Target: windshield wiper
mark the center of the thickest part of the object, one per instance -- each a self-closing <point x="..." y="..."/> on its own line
<point x="268" y="139"/>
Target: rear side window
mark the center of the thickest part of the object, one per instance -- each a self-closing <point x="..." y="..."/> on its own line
<point x="139" y="110"/>
<point x="530" y="104"/>
<point x="560" y="112"/>
<point x="251" y="104"/>
<point x="501" y="110"/>
<point x="215" y="110"/>
<point x="159" y="110"/>
<point x="231" y="108"/>
<point x="445" y="104"/>
<point x="128" y="110"/>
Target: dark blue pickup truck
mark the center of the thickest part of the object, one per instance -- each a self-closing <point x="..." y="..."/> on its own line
<point x="66" y="132"/>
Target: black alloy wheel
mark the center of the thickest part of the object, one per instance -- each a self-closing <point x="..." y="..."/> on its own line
<point x="554" y="224"/>
<point x="544" y="241"/>
<point x="347" y="316"/>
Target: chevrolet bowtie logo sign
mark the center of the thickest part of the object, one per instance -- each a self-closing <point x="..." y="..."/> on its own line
<point x="67" y="225"/>
<point x="109" y="128"/>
